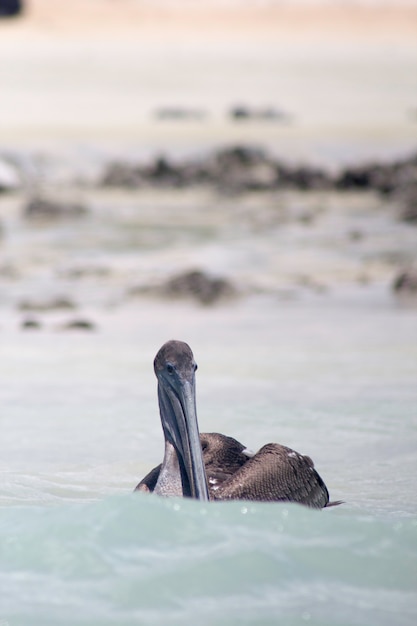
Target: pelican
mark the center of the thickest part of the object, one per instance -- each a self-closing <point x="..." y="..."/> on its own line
<point x="212" y="466"/>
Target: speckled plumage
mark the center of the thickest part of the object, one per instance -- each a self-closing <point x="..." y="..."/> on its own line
<point x="275" y="473"/>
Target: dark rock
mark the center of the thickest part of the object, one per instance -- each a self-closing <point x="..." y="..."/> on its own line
<point x="408" y="213"/>
<point x="55" y="304"/>
<point x="243" y="168"/>
<point x="354" y="178"/>
<point x="122" y="175"/>
<point x="10" y="8"/>
<point x="247" y="168"/>
<point x="263" y="114"/>
<point x="160" y="173"/>
<point x="406" y="282"/>
<point x="385" y="178"/>
<point x="79" y="324"/>
<point x="258" y="170"/>
<point x="240" y="156"/>
<point x="240" y="113"/>
<point x="407" y="197"/>
<point x="195" y="173"/>
<point x="199" y="286"/>
<point x="304" y="178"/>
<point x="43" y="209"/>
<point x="163" y="172"/>
<point x="31" y="324"/>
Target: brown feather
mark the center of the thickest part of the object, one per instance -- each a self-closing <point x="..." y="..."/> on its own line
<point x="275" y="473"/>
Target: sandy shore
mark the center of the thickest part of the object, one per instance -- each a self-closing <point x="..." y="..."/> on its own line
<point x="371" y="22"/>
<point x="96" y="71"/>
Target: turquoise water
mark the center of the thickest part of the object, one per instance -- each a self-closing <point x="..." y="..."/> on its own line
<point x="145" y="560"/>
<point x="79" y="427"/>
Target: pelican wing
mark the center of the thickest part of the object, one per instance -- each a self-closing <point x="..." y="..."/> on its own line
<point x="276" y="473"/>
<point x="147" y="484"/>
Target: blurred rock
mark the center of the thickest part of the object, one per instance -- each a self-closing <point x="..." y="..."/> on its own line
<point x="31" y="324"/>
<point x="407" y="197"/>
<point x="199" y="286"/>
<point x="161" y="172"/>
<point x="79" y="324"/>
<point x="55" y="304"/>
<point x="243" y="168"/>
<point x="302" y="177"/>
<point x="240" y="156"/>
<point x="164" y="173"/>
<point x="228" y="168"/>
<point x="264" y="114"/>
<point x="354" y="178"/>
<point x="43" y="209"/>
<point x="10" y="8"/>
<point x="406" y="282"/>
<point x="122" y="175"/>
<point x="240" y="113"/>
<point x="385" y="178"/>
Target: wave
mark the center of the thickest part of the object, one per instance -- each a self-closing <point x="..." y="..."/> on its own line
<point x="141" y="559"/>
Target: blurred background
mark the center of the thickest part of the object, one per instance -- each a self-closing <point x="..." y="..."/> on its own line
<point x="189" y="130"/>
<point x="267" y="143"/>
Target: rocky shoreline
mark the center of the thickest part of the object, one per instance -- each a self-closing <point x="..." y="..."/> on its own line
<point x="246" y="168"/>
<point x="240" y="169"/>
<point x="234" y="169"/>
<point x="316" y="229"/>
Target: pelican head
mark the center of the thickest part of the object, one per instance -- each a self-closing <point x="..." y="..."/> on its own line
<point x="175" y="369"/>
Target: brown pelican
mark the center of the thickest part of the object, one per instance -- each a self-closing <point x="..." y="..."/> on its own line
<point x="212" y="466"/>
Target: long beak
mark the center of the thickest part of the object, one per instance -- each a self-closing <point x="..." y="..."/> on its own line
<point x="179" y="421"/>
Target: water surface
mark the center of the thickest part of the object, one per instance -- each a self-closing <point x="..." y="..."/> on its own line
<point x="80" y="427"/>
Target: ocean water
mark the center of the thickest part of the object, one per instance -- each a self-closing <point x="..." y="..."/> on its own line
<point x="146" y="560"/>
<point x="79" y="427"/>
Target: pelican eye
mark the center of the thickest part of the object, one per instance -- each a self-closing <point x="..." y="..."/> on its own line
<point x="170" y="368"/>
<point x="195" y="367"/>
